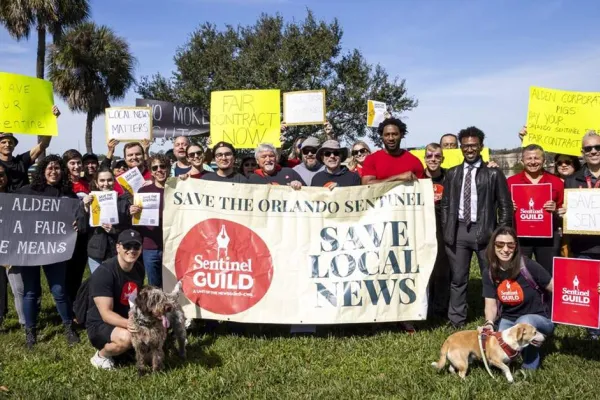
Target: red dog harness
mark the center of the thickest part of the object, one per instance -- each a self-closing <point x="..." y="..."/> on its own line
<point x="486" y="334"/>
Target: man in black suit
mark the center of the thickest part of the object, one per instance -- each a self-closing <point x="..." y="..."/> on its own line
<point x="475" y="201"/>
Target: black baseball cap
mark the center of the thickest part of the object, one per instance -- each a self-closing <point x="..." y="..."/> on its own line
<point x="119" y="164"/>
<point x="130" y="236"/>
<point x="222" y="144"/>
<point x="89" y="156"/>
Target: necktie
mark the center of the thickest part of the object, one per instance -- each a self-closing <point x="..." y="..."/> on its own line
<point x="467" y="197"/>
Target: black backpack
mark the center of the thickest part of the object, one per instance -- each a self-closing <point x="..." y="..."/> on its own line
<point x="81" y="303"/>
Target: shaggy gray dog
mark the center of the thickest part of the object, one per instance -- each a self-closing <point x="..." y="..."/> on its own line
<point x="153" y="313"/>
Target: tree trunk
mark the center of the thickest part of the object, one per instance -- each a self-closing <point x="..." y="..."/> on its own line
<point x="41" y="64"/>
<point x="88" y="132"/>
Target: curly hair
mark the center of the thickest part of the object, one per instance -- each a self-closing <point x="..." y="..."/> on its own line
<point x="161" y="158"/>
<point x="38" y="176"/>
<point x="392" y="121"/>
<point x="471" y="131"/>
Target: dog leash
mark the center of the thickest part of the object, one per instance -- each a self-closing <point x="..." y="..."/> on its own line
<point x="483" y="356"/>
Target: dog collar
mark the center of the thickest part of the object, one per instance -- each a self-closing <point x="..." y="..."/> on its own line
<point x="509" y="351"/>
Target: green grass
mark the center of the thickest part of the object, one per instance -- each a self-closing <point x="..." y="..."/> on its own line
<point x="341" y="362"/>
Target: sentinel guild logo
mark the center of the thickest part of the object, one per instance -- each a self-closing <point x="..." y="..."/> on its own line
<point x="532" y="214"/>
<point x="576" y="296"/>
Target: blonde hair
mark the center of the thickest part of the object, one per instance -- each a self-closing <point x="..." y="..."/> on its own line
<point x="353" y="163"/>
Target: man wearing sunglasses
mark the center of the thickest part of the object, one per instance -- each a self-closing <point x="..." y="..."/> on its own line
<point x="310" y="166"/>
<point x="224" y="155"/>
<point x="110" y="287"/>
<point x="475" y="201"/>
<point x="331" y="155"/>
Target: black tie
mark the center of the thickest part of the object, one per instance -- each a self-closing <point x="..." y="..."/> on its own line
<point x="467" y="197"/>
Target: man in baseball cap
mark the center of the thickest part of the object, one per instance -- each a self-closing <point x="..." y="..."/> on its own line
<point x="90" y="166"/>
<point x="310" y="165"/>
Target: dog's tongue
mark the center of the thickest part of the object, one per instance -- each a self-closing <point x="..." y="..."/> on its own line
<point x="165" y="322"/>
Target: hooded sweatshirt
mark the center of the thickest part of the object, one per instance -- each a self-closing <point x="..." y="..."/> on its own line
<point x="343" y="177"/>
<point x="308" y="174"/>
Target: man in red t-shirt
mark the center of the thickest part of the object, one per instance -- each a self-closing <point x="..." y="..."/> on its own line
<point x="392" y="164"/>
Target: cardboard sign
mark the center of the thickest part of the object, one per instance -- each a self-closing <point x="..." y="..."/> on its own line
<point x="26" y="105"/>
<point x="245" y="118"/>
<point x="583" y="211"/>
<point x="558" y="119"/>
<point x="376" y="113"/>
<point x="170" y="120"/>
<point x="103" y="208"/>
<point x="36" y="230"/>
<point x="304" y="107"/>
<point x="452" y="157"/>
<point x="531" y="220"/>
<point x="128" y="124"/>
<point x="575" y="299"/>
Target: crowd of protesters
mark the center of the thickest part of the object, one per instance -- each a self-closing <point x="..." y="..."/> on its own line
<point x="473" y="205"/>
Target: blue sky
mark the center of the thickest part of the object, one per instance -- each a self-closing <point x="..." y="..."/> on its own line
<point x="468" y="62"/>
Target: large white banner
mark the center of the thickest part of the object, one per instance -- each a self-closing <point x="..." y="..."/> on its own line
<point x="270" y="254"/>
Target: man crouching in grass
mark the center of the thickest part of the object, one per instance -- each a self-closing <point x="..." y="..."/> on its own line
<point x="111" y="284"/>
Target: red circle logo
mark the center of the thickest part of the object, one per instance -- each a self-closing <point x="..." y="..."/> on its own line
<point x="226" y="268"/>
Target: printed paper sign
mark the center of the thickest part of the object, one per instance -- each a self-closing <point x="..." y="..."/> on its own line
<point x="304" y="107"/>
<point x="575" y="299"/>
<point x="558" y="119"/>
<point x="350" y="255"/>
<point x="583" y="211"/>
<point x="103" y="208"/>
<point x="531" y="218"/>
<point x="170" y="120"/>
<point x="376" y="113"/>
<point x="245" y="118"/>
<point x="150" y="203"/>
<point x="452" y="157"/>
<point x="36" y="230"/>
<point x="26" y="105"/>
<point x="131" y="180"/>
<point x="128" y="124"/>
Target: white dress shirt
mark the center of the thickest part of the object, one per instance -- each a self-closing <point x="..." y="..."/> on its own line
<point x="473" y="191"/>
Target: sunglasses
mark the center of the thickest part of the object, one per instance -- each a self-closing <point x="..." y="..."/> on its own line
<point x="309" y="150"/>
<point x="155" y="168"/>
<point x="436" y="156"/>
<point x="224" y="155"/>
<point x="195" y="154"/>
<point x="132" y="246"/>
<point x="588" y="149"/>
<point x="560" y="163"/>
<point x="500" y="245"/>
<point x="360" y="151"/>
<point x="329" y="153"/>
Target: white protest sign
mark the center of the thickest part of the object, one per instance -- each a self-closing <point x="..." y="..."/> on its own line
<point x="376" y="113"/>
<point x="150" y="203"/>
<point x="304" y="108"/>
<point x="131" y="180"/>
<point x="583" y="211"/>
<point x="103" y="209"/>
<point x="128" y="124"/>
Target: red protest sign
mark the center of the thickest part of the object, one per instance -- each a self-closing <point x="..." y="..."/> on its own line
<point x="530" y="217"/>
<point x="575" y="298"/>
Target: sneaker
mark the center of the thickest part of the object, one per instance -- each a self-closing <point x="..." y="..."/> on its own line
<point x="30" y="338"/>
<point x="71" y="335"/>
<point x="102" y="362"/>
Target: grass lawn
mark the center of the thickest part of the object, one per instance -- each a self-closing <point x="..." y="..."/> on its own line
<point x="358" y="362"/>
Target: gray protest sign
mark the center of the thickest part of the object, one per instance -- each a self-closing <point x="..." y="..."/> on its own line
<point x="36" y="230"/>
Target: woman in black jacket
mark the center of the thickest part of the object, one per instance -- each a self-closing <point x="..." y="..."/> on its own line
<point x="50" y="179"/>
<point x="102" y="239"/>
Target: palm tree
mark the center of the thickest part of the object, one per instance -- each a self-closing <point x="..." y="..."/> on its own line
<point x="90" y="67"/>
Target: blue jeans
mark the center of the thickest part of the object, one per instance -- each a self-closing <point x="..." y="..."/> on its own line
<point x="56" y="277"/>
<point x="531" y="354"/>
<point x="153" y="265"/>
<point x="94" y="263"/>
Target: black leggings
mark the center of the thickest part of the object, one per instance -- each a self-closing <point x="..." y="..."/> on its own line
<point x="544" y="249"/>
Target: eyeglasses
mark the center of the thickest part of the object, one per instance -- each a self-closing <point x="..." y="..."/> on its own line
<point x="329" y="153"/>
<point x="155" y="168"/>
<point x="309" y="150"/>
<point x="132" y="246"/>
<point x="360" y="151"/>
<point x="560" y="163"/>
<point x="223" y="155"/>
<point x="195" y="154"/>
<point x="436" y="156"/>
<point x="588" y="149"/>
<point x="500" y="245"/>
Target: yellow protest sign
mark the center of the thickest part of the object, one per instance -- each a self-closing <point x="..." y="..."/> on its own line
<point x="26" y="105"/>
<point x="558" y="119"/>
<point x="452" y="157"/>
<point x="245" y="118"/>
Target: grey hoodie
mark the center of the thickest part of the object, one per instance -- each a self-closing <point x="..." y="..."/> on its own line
<point x="308" y="174"/>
